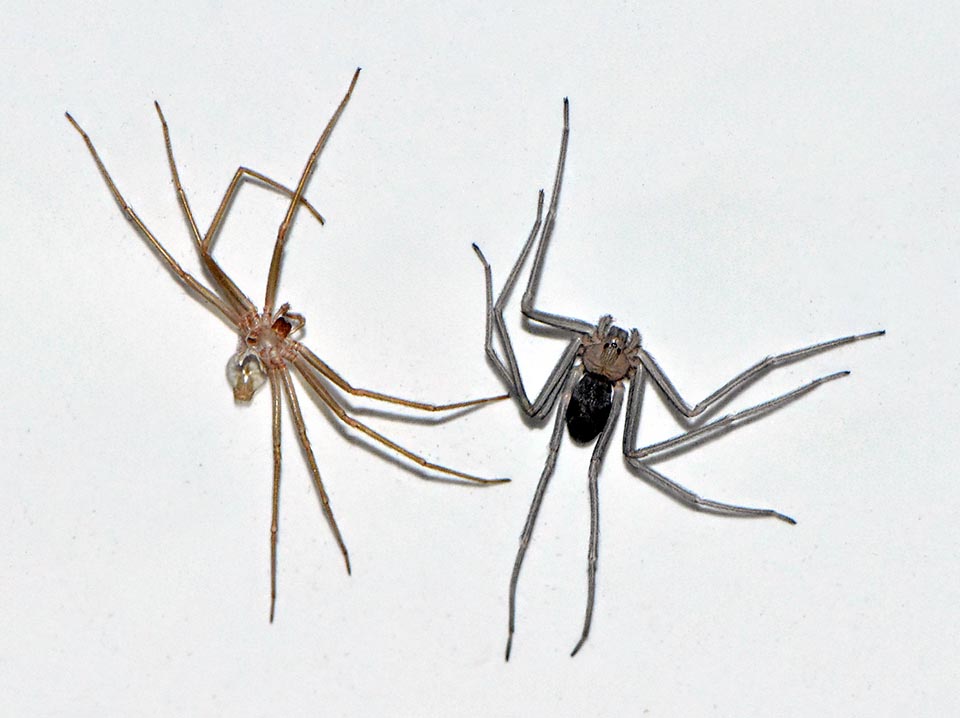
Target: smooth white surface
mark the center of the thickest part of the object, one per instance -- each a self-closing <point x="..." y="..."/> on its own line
<point x="742" y="180"/>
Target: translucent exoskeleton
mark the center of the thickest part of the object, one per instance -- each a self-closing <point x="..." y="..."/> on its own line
<point x="267" y="349"/>
<point x="587" y="387"/>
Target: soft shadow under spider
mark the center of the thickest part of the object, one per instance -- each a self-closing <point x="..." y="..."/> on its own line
<point x="586" y="389"/>
<point x="267" y="350"/>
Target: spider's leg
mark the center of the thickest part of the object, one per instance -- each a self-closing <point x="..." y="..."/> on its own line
<point x="744" y="379"/>
<point x="185" y="277"/>
<point x="598" y="453"/>
<point x="529" y="296"/>
<point x="510" y="372"/>
<point x="317" y="385"/>
<point x="273" y="277"/>
<point x="548" y="466"/>
<point x="682" y="494"/>
<point x="239" y="300"/>
<point x="241" y="174"/>
<point x="275" y="512"/>
<point x="324" y="369"/>
<point x="699" y="503"/>
<point x="730" y="421"/>
<point x="314" y="470"/>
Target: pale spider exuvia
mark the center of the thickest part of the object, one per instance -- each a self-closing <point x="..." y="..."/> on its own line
<point x="588" y="382"/>
<point x="267" y="348"/>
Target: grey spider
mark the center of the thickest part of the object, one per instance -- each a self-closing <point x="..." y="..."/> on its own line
<point x="267" y="348"/>
<point x="587" y="386"/>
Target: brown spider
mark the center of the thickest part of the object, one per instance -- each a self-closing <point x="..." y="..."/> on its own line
<point x="267" y="348"/>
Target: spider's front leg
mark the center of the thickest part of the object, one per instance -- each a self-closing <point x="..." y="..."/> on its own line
<point x="238" y="299"/>
<point x="509" y="370"/>
<point x="529" y="296"/>
<point x="245" y="173"/>
<point x="273" y="276"/>
<point x="188" y="280"/>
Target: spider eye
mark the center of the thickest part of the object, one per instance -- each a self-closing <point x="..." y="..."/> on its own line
<point x="245" y="374"/>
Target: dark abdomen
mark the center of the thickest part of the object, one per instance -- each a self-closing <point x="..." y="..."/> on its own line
<point x="589" y="407"/>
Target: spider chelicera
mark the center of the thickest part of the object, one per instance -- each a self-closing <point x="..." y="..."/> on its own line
<point x="267" y="348"/>
<point x="587" y="386"/>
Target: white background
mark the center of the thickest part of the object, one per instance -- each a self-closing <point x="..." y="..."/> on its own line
<point x="743" y="179"/>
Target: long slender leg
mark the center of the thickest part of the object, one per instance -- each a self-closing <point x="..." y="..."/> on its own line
<point x="510" y="372"/>
<point x="275" y="513"/>
<point x="241" y="174"/>
<point x="239" y="300"/>
<point x="185" y="277"/>
<point x="730" y="421"/>
<point x="529" y="296"/>
<point x="324" y="369"/>
<point x="701" y="504"/>
<point x="317" y="385"/>
<point x="274" y="275"/>
<point x="314" y="470"/>
<point x="494" y="314"/>
<point x="548" y="466"/>
<point x="632" y="421"/>
<point x="742" y="380"/>
<point x="598" y="453"/>
<point x="203" y="244"/>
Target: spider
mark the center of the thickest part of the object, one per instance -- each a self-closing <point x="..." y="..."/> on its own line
<point x="267" y="348"/>
<point x="587" y="386"/>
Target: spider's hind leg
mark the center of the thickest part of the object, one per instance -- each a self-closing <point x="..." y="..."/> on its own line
<point x="744" y="378"/>
<point x="681" y="493"/>
<point x="291" y="393"/>
<point x="555" y="438"/>
<point x="315" y="383"/>
<point x="595" y="460"/>
<point x="730" y="421"/>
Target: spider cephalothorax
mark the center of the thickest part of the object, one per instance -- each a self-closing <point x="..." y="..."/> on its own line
<point x="609" y="355"/>
<point x="265" y="344"/>
<point x="610" y="351"/>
